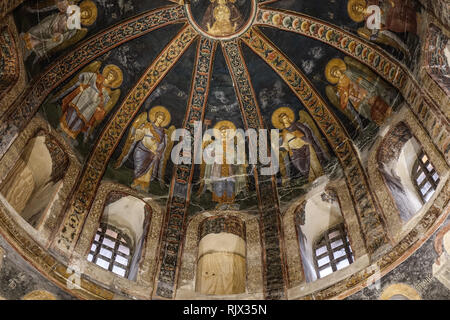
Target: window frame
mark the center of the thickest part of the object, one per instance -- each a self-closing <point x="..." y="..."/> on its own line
<point x="421" y="167"/>
<point x="326" y="241"/>
<point x="121" y="239"/>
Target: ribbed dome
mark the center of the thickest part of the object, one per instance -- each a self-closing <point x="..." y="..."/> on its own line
<point x="223" y="148"/>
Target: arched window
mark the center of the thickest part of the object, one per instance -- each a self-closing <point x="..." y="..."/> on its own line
<point x="332" y="251"/>
<point x="314" y="217"/>
<point x="111" y="250"/>
<point x="119" y="243"/>
<point x="425" y="177"/>
<point x="34" y="180"/>
<point x="407" y="171"/>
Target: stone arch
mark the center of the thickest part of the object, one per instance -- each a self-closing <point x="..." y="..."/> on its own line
<point x="403" y="135"/>
<point x="395" y="158"/>
<point x="400" y="291"/>
<point x="135" y="224"/>
<point x="39" y="295"/>
<point x="35" y="178"/>
<point x="49" y="163"/>
<point x="144" y="231"/>
<point x="337" y="193"/>
<point x="313" y="217"/>
<point x="221" y="260"/>
<point x="254" y="269"/>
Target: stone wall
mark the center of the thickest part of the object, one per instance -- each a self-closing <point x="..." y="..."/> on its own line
<point x="18" y="278"/>
<point x="415" y="273"/>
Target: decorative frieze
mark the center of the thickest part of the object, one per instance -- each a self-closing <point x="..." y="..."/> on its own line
<point x="181" y="181"/>
<point x="222" y="224"/>
<point x="275" y="269"/>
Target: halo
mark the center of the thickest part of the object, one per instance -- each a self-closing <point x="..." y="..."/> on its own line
<point x="118" y="75"/>
<point x="153" y="111"/>
<point x="400" y="289"/>
<point x="90" y="7"/>
<point x="354" y="15"/>
<point x="232" y="1"/>
<point x="333" y="64"/>
<point x="276" y="116"/>
<point x="39" y="295"/>
<point x="225" y="123"/>
<point x="218" y="8"/>
<point x="229" y="125"/>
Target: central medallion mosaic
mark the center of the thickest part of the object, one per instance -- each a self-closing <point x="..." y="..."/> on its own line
<point x="221" y="19"/>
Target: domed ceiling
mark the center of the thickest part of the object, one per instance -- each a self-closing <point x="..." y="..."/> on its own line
<point x="260" y="59"/>
<point x="117" y="87"/>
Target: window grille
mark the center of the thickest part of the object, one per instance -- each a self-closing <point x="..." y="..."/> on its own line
<point x="425" y="177"/>
<point x="332" y="251"/>
<point x="111" y="250"/>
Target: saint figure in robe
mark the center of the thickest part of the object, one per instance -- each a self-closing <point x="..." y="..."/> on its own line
<point x="358" y="91"/>
<point x="225" y="178"/>
<point x="57" y="31"/>
<point x="88" y="98"/>
<point x="305" y="152"/>
<point x="149" y="146"/>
